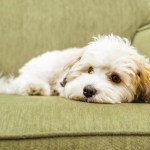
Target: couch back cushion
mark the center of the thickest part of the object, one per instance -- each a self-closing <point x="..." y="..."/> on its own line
<point x="31" y="27"/>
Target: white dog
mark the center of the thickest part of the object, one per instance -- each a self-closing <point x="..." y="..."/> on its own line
<point x="107" y="70"/>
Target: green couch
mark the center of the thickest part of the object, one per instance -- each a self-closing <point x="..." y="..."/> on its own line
<point x="31" y="27"/>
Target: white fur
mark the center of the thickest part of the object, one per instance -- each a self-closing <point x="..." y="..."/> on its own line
<point x="106" y="54"/>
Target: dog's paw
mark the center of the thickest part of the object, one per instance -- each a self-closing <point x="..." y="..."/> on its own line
<point x="36" y="90"/>
<point x="54" y="92"/>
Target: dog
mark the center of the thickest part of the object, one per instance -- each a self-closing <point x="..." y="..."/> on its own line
<point x="107" y="70"/>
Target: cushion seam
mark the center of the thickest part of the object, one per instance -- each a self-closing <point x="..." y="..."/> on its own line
<point x="63" y="135"/>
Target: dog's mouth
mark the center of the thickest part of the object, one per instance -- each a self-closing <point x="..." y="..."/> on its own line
<point x="77" y="98"/>
<point x="83" y="99"/>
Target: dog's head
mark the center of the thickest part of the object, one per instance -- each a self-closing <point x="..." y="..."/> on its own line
<point x="109" y="71"/>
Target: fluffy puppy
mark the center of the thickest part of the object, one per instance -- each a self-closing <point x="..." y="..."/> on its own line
<point x="107" y="70"/>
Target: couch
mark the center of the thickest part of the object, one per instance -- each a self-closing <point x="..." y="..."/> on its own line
<point x="31" y="27"/>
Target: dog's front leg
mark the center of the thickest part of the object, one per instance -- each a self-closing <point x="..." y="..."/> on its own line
<point x="31" y="86"/>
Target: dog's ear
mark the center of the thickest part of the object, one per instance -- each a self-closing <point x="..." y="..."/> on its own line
<point x="144" y="86"/>
<point x="70" y="68"/>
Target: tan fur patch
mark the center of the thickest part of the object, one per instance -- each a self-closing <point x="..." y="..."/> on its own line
<point x="77" y="72"/>
<point x="77" y="98"/>
<point x="35" y="91"/>
<point x="145" y="82"/>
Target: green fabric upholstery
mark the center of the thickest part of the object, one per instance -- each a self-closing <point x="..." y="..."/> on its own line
<point x="142" y="40"/>
<point x="118" y="142"/>
<point x="57" y="123"/>
<point x="31" y="27"/>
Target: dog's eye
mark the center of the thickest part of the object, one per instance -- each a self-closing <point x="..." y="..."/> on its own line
<point x="115" y="78"/>
<point x="90" y="70"/>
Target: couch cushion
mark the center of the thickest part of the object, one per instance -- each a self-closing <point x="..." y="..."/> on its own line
<point x="33" y="121"/>
<point x="30" y="27"/>
<point x="142" y="40"/>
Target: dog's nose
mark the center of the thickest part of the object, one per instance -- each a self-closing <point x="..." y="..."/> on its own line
<point x="89" y="91"/>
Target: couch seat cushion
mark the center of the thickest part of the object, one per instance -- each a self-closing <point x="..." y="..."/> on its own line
<point x="26" y="119"/>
